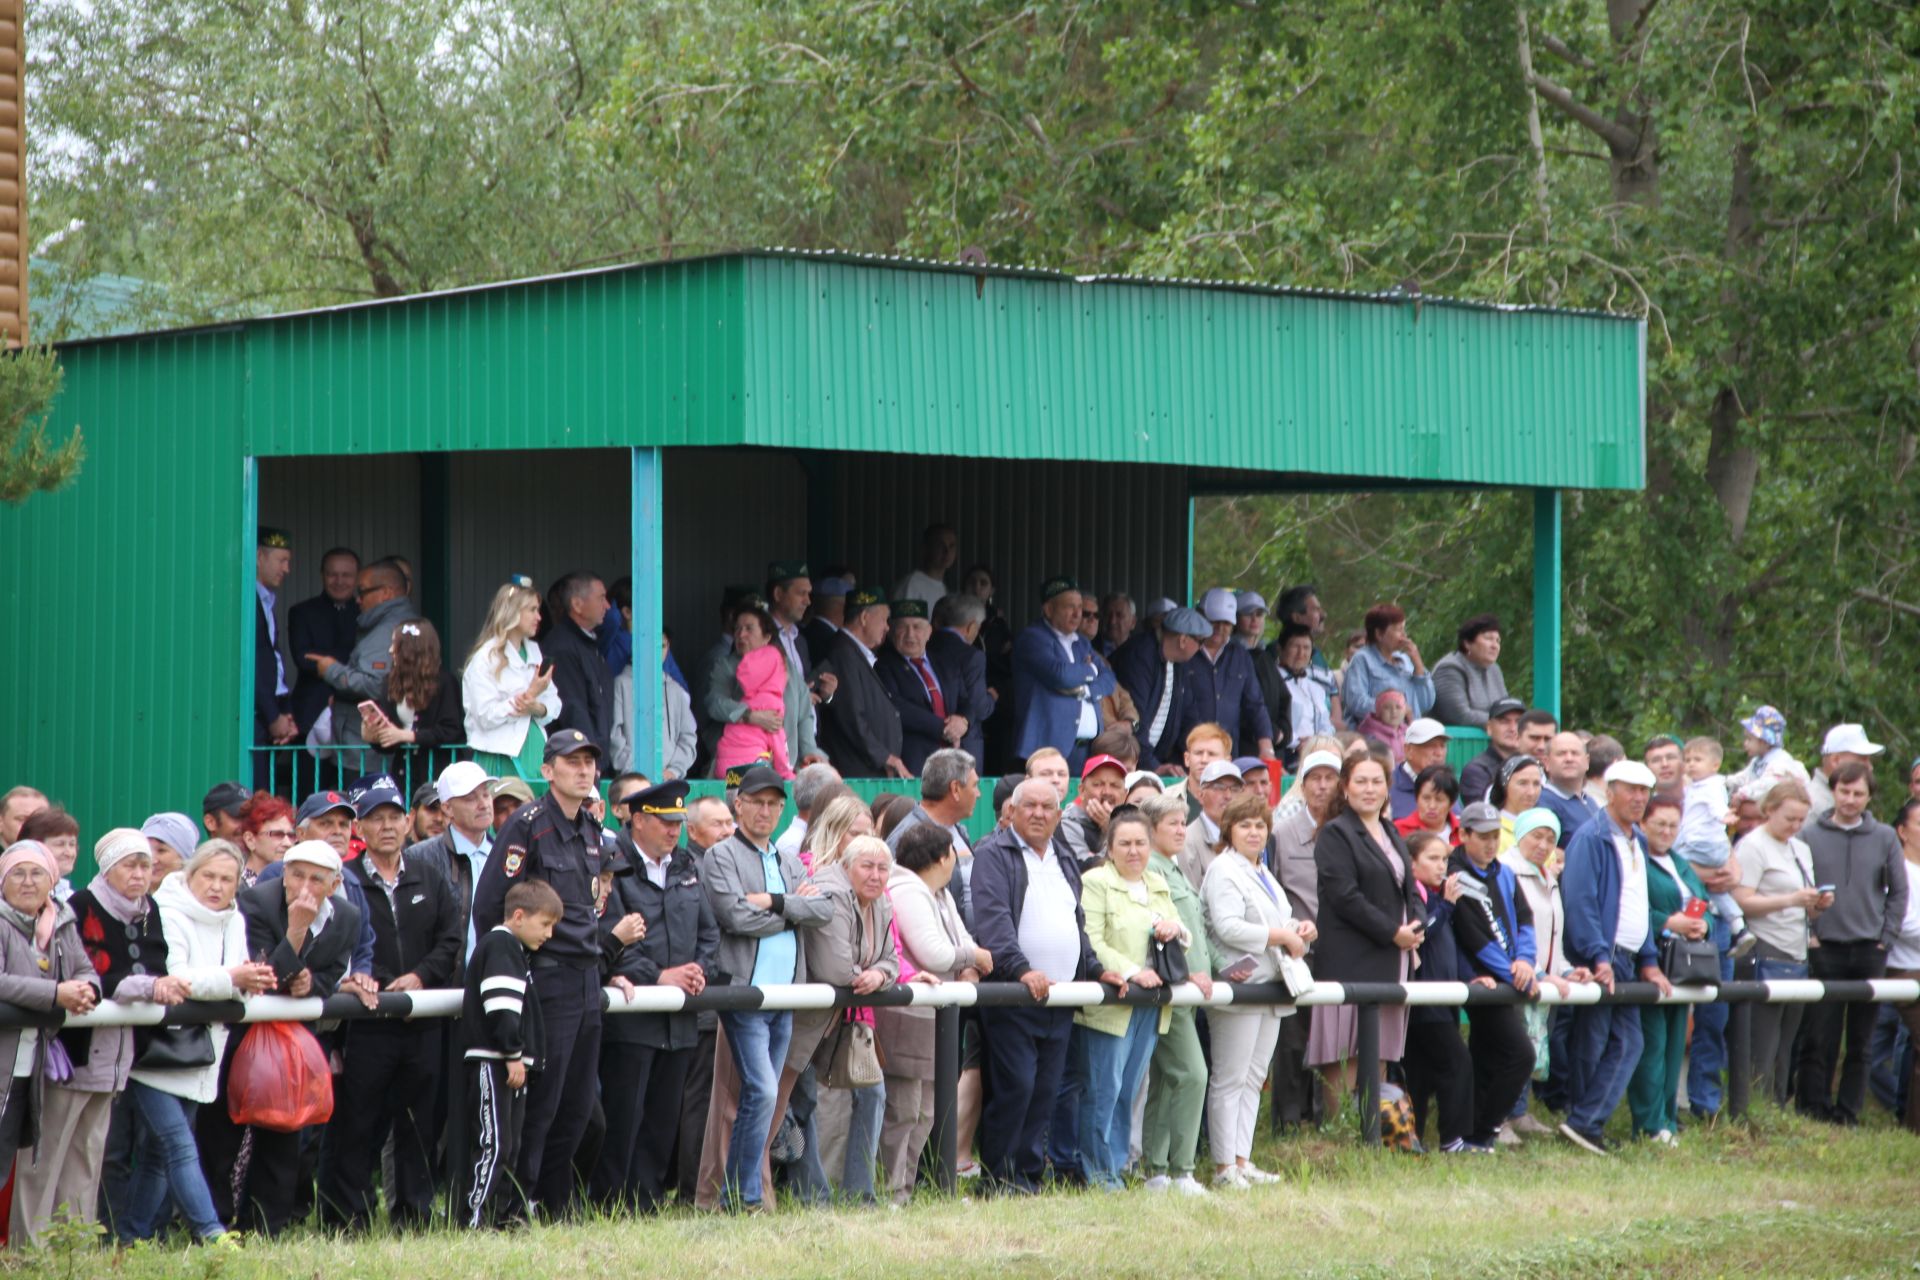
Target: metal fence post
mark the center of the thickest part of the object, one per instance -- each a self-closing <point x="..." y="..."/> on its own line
<point x="946" y="1095"/>
<point x="1739" y="1058"/>
<point x="1367" y="1045"/>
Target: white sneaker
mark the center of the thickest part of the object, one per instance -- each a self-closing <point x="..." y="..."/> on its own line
<point x="1666" y="1139"/>
<point x="968" y="1170"/>
<point x="1158" y="1182"/>
<point x="1256" y="1175"/>
<point x="1231" y="1179"/>
<point x="1186" y="1186"/>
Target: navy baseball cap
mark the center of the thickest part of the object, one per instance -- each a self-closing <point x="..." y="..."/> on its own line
<point x="568" y="741"/>
<point x="378" y="790"/>
<point x="321" y="802"/>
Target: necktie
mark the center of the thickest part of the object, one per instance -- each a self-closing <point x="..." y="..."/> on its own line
<point x="933" y="690"/>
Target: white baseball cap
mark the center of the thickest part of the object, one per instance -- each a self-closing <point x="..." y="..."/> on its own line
<point x="1220" y="605"/>
<point x="1424" y="730"/>
<point x="461" y="778"/>
<point x="1250" y="602"/>
<point x="1160" y="607"/>
<point x="1850" y="738"/>
<point x="1319" y="760"/>
<point x="1217" y="770"/>
<point x="1631" y="772"/>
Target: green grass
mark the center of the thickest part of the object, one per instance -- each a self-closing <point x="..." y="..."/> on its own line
<point x="1778" y="1197"/>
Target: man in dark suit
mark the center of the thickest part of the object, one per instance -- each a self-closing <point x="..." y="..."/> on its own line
<point x="828" y="612"/>
<point x="922" y="693"/>
<point x="330" y="624"/>
<point x="644" y="1057"/>
<point x="307" y="934"/>
<point x="1057" y="682"/>
<point x="1154" y="669"/>
<point x="963" y="666"/>
<point x="273" y="723"/>
<point x="859" y="727"/>
<point x="577" y="605"/>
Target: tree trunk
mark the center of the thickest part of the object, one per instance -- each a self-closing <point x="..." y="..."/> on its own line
<point x="1635" y="148"/>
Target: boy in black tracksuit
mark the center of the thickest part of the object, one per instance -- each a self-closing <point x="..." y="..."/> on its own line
<point x="391" y="1068"/>
<point x="1435" y="1059"/>
<point x="504" y="1041"/>
<point x="1493" y="927"/>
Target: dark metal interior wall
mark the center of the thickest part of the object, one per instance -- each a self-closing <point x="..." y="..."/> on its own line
<point x="1114" y="527"/>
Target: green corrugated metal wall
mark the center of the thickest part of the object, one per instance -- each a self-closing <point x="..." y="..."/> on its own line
<point x="124" y="686"/>
<point x="875" y="358"/>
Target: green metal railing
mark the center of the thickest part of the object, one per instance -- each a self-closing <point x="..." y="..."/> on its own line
<point x="295" y="772"/>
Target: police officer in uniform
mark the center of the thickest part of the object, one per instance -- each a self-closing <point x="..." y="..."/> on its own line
<point x="556" y="839"/>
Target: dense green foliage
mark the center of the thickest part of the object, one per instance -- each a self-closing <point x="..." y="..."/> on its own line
<point x="1734" y="172"/>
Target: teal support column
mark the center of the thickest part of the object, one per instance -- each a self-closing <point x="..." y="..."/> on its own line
<point x="1546" y="599"/>
<point x="249" y="604"/>
<point x="648" y="713"/>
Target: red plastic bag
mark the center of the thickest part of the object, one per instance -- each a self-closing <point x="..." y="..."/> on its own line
<point x="280" y="1079"/>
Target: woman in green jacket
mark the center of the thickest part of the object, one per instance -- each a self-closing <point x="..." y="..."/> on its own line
<point x="1177" y="1082"/>
<point x="1652" y="1093"/>
<point x="1128" y="907"/>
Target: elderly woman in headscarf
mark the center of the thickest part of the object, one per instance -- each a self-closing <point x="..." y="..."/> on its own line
<point x="173" y="838"/>
<point x="42" y="965"/>
<point x="124" y="947"/>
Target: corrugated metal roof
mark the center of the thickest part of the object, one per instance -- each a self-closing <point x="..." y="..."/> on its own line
<point x="1396" y="296"/>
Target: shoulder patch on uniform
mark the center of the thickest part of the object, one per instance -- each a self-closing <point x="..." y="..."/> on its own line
<point x="379" y="666"/>
<point x="516" y="858"/>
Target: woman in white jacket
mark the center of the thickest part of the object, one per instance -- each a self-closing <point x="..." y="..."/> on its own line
<point x="508" y="699"/>
<point x="207" y="946"/>
<point x="1248" y="919"/>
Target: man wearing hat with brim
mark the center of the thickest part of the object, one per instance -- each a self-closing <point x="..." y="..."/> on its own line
<point x="306" y="932"/>
<point x="459" y="854"/>
<point x="1503" y="741"/>
<point x="391" y="1074"/>
<point x="1250" y="625"/>
<point x="556" y="839"/>
<point x="1155" y="668"/>
<point x="644" y="1056"/>
<point x="859" y="725"/>
<point x="1297" y="1096"/>
<point x="220" y="812"/>
<point x="924" y="691"/>
<point x="427" y="818"/>
<point x="1083" y="825"/>
<point x="1844" y="744"/>
<point x="761" y="898"/>
<point x="273" y="723"/>
<point x="1057" y="680"/>
<point x="1604" y="888"/>
<point x="1223" y="688"/>
<point x="1425" y="745"/>
<point x="327" y="816"/>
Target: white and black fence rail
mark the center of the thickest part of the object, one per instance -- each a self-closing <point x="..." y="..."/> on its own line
<point x="948" y="999"/>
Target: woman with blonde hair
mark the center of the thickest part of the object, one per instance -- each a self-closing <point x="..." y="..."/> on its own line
<point x="509" y="696"/>
<point x="844" y="818"/>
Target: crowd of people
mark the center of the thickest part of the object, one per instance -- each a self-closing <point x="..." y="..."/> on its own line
<point x="1183" y="803"/>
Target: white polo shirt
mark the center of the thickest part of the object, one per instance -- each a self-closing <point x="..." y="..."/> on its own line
<point x="1049" y="930"/>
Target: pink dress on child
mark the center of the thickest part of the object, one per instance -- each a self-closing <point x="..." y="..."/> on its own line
<point x="763" y="687"/>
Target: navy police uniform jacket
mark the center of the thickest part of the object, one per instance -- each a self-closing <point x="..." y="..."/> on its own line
<point x="539" y="843"/>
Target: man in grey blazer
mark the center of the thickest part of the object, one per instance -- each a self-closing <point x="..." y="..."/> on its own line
<point x="760" y="899"/>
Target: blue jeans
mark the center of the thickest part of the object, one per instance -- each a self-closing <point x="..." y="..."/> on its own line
<point x="863" y="1141"/>
<point x="1886" y="1055"/>
<point x="1604" y="1044"/>
<point x="1063" y="1129"/>
<point x="166" y="1160"/>
<point x="1111" y="1068"/>
<point x="1707" y="1054"/>
<point x="758" y="1042"/>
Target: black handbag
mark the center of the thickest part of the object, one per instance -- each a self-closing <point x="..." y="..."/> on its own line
<point x="1687" y="962"/>
<point x="175" y="1048"/>
<point x="1170" y="962"/>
